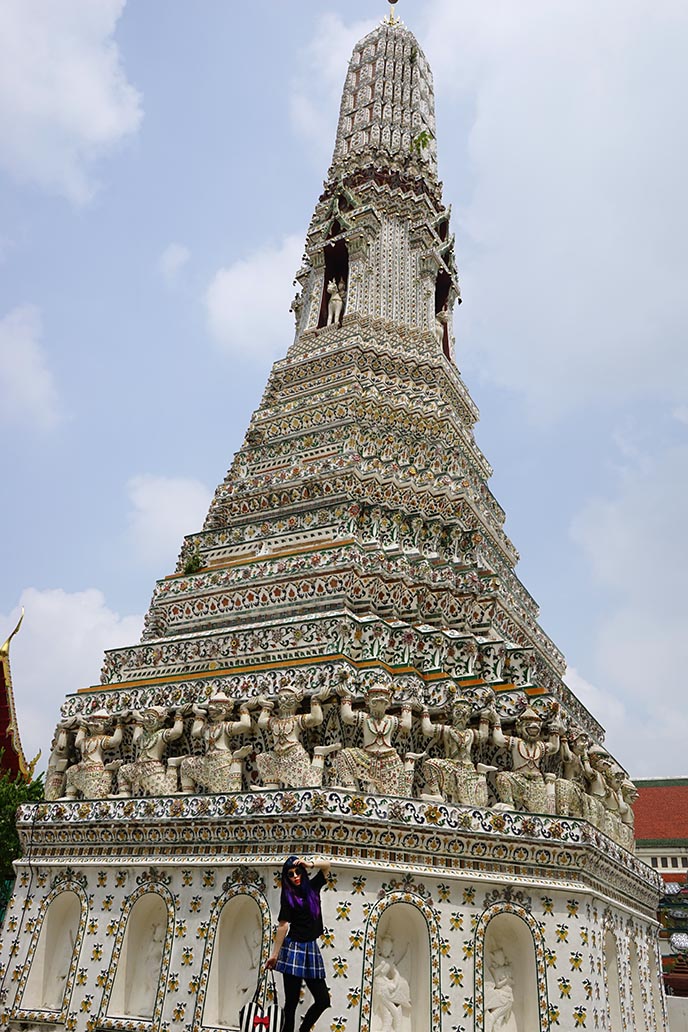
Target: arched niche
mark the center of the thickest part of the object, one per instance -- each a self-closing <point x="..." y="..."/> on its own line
<point x="510" y="980"/>
<point x="53" y="957"/>
<point x="139" y="959"/>
<point x="611" y="970"/>
<point x="401" y="998"/>
<point x="336" y="268"/>
<point x="237" y="950"/>
<point x="443" y="285"/>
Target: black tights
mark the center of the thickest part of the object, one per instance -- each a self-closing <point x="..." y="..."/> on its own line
<point x="292" y="991"/>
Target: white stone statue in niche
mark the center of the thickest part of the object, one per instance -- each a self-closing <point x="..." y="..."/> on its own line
<point x="455" y="777"/>
<point x="378" y="765"/>
<point x="335" y="306"/>
<point x="219" y="769"/>
<point x="441" y="320"/>
<point x="288" y="763"/>
<point x="391" y="992"/>
<point x="499" y="993"/>
<point x="92" y="777"/>
<point x="147" y="774"/>
<point x="524" y="787"/>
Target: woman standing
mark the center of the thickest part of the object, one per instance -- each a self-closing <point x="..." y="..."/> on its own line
<point x="295" y="952"/>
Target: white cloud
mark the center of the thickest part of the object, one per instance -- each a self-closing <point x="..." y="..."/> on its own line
<point x="163" y="510"/>
<point x="28" y="396"/>
<point x="636" y="546"/>
<point x="247" y="303"/>
<point x="573" y="255"/>
<point x="58" y="650"/>
<point x="172" y="261"/>
<point x="64" y="96"/>
<point x="324" y="60"/>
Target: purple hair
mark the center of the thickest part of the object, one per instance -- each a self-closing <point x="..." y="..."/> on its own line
<point x="304" y="894"/>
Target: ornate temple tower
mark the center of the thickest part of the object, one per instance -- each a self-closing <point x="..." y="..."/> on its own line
<point x="344" y="662"/>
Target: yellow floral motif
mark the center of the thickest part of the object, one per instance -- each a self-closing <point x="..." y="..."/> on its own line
<point x="178" y="1012"/>
<point x="195" y="904"/>
<point x="180" y="930"/>
<point x="455" y="976"/>
<point x="358" y="884"/>
<point x="327" y="938"/>
<point x="468" y="1007"/>
<point x="579" y="1016"/>
<point x="187" y="956"/>
<point x="554" y="1015"/>
<point x="584" y="936"/>
<point x="97" y="952"/>
<point x="356" y="939"/>
<point x="467" y="949"/>
<point x="587" y="985"/>
<point x="107" y="903"/>
<point x="173" y="983"/>
<point x="92" y="926"/>
<point x="343" y="911"/>
<point x="338" y="1025"/>
<point x="102" y="879"/>
<point x="562" y="933"/>
<point x="576" y="961"/>
<point x="443" y="892"/>
<point x="340" y="967"/>
<point x="456" y="921"/>
<point x="550" y="958"/>
<point x="86" y="1004"/>
<point x="564" y="987"/>
<point x="354" y="996"/>
<point x="547" y="904"/>
<point x="469" y="895"/>
<point x="572" y="907"/>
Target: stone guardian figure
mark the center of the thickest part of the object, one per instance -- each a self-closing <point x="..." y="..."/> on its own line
<point x="148" y="775"/>
<point x="288" y="763"/>
<point x="219" y="769"/>
<point x="92" y="777"/>
<point x="377" y="765"/>
<point x="456" y="778"/>
<point x="524" y="786"/>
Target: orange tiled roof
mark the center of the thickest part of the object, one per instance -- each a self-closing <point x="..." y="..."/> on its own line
<point x="661" y="809"/>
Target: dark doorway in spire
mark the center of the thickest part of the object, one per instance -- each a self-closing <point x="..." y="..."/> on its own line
<point x="335" y="284"/>
<point x="442" y="288"/>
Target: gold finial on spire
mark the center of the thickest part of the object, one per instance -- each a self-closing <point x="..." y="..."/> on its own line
<point x="392" y="19"/>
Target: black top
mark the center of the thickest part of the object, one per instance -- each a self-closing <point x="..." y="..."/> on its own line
<point x="303" y="927"/>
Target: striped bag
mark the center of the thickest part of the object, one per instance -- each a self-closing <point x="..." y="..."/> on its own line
<point x="258" y="1015"/>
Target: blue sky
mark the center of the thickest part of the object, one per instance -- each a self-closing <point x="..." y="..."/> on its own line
<point x="160" y="164"/>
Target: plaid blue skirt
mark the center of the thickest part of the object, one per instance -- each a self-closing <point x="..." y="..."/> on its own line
<point x="301" y="959"/>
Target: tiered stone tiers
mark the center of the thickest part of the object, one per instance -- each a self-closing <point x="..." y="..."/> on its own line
<point x="354" y="543"/>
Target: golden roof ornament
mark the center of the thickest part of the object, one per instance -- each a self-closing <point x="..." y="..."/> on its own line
<point x="392" y="19"/>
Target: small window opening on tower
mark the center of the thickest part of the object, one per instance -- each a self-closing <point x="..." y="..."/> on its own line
<point x="443" y="229"/>
<point x="442" y="288"/>
<point x="335" y="284"/>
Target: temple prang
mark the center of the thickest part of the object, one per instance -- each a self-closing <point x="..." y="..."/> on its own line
<point x="344" y="662"/>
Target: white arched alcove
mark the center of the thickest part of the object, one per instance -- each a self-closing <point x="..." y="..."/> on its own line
<point x="611" y="964"/>
<point x="47" y="981"/>
<point x="510" y="984"/>
<point x="135" y="987"/>
<point x="401" y="991"/>
<point x="235" y="962"/>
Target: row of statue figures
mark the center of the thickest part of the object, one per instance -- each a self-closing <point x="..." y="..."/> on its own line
<point x="586" y="782"/>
